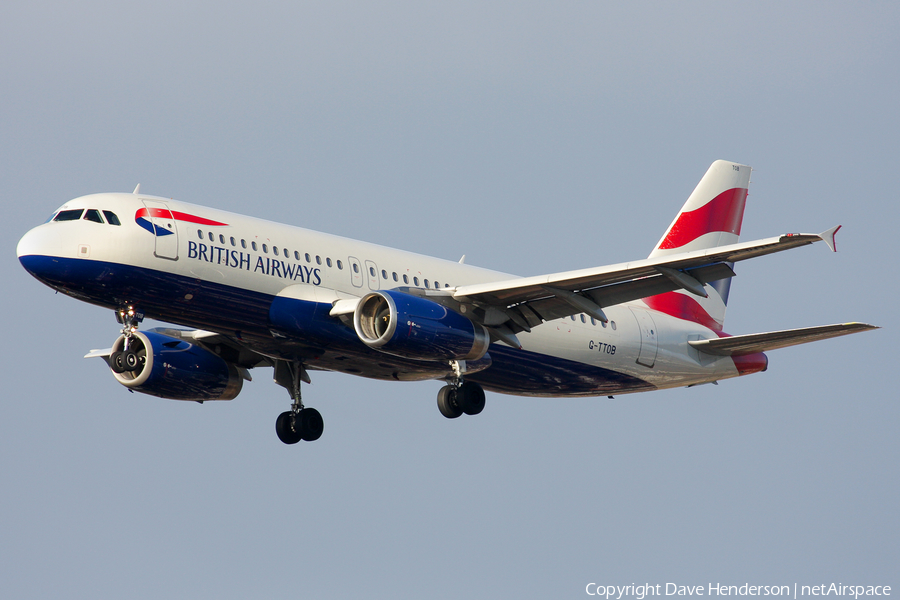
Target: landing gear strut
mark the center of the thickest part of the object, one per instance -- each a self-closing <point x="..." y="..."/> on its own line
<point x="299" y="423"/>
<point x="127" y="359"/>
<point x="460" y="397"/>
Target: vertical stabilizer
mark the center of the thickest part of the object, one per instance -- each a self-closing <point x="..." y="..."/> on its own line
<point x="712" y="214"/>
<point x="711" y="217"/>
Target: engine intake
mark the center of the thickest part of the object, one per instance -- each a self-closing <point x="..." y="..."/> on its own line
<point x="404" y="325"/>
<point x="175" y="369"/>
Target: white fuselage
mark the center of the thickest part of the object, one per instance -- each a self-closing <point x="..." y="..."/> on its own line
<point x="220" y="269"/>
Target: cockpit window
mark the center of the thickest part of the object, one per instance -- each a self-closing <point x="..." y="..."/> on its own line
<point x="93" y="215"/>
<point x="111" y="217"/>
<point x="69" y="215"/>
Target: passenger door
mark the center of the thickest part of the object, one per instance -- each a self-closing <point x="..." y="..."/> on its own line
<point x="164" y="227"/>
<point x="372" y="275"/>
<point x="649" y="340"/>
<point x="356" y="274"/>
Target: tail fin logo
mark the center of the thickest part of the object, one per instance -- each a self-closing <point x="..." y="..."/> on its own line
<point x="722" y="214"/>
<point x="711" y="217"/>
<point x="682" y="306"/>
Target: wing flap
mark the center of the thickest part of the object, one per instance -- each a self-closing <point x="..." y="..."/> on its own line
<point x="739" y="345"/>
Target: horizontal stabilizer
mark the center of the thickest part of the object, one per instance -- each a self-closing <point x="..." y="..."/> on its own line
<point x="738" y="345"/>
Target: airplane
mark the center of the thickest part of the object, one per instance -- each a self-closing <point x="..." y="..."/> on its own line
<point x="247" y="293"/>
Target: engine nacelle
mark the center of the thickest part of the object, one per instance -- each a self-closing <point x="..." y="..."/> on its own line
<point x="417" y="328"/>
<point x="175" y="369"/>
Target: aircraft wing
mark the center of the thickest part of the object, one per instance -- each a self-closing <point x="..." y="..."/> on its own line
<point x="528" y="301"/>
<point x="737" y="345"/>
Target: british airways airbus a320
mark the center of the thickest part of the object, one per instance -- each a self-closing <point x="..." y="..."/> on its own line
<point x="251" y="293"/>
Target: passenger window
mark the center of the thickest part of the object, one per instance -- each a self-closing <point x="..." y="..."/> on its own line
<point x="318" y="260"/>
<point x="355" y="268"/>
<point x="212" y="238"/>
<point x="307" y="257"/>
<point x="200" y="233"/>
<point x="583" y="320"/>
<point x="340" y="265"/>
<point x="286" y="253"/>
<point x="602" y="324"/>
<point x="233" y="242"/>
<point x="111" y="217"/>
<point x="266" y="248"/>
<point x="383" y="274"/>
<point x="244" y="244"/>
<point x="572" y="317"/>
<point x="446" y="285"/>
<point x="426" y="283"/>
<point x="613" y="325"/>
<point x="328" y="261"/>
<point x="275" y="250"/>
<point x="416" y="281"/>
<point x="253" y="244"/>
<point x="395" y="276"/>
<point x="372" y="271"/>
<point x="593" y="322"/>
<point x="93" y="214"/>
<point x="405" y="278"/>
<point x="221" y="239"/>
<point x="296" y="255"/>
<point x="69" y="215"/>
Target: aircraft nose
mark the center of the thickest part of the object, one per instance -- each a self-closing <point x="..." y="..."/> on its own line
<point x="28" y="251"/>
<point x="27" y="245"/>
<point x="36" y="252"/>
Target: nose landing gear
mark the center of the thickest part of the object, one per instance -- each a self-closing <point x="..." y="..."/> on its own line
<point x="127" y="359"/>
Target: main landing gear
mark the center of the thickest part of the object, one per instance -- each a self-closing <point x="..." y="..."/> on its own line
<point x="127" y="359"/>
<point x="299" y="423"/>
<point x="460" y="397"/>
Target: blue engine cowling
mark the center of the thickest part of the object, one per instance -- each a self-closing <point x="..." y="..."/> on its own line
<point x="417" y="328"/>
<point x="176" y="369"/>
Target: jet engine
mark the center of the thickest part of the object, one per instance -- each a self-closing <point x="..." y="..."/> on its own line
<point x="411" y="327"/>
<point x="173" y="368"/>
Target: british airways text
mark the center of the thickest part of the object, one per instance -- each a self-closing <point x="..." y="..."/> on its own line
<point x="244" y="261"/>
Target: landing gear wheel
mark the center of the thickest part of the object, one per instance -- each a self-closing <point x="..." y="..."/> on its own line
<point x="309" y="423"/>
<point x="470" y="398"/>
<point x="306" y="424"/>
<point x="300" y="423"/>
<point x="284" y="428"/>
<point x="131" y="360"/>
<point x="447" y="402"/>
<point x="117" y="362"/>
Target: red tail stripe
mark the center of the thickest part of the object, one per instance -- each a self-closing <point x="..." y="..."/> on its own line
<point x="684" y="307"/>
<point x="724" y="213"/>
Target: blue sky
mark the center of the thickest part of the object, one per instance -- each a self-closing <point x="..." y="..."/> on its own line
<point x="533" y="138"/>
